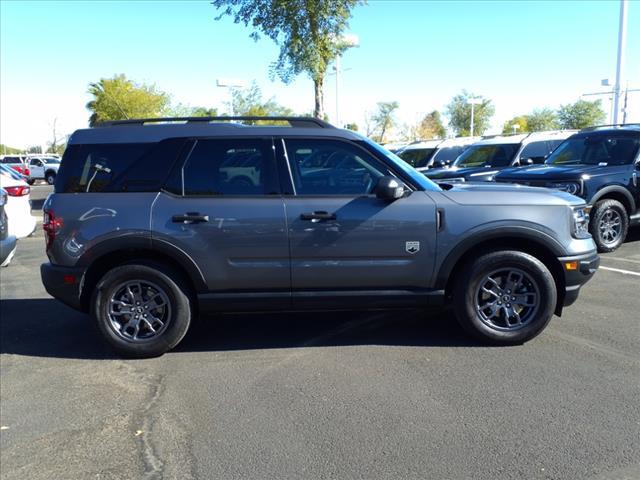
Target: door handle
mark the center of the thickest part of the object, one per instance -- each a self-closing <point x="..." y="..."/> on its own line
<point x="318" y="216"/>
<point x="190" y="217"/>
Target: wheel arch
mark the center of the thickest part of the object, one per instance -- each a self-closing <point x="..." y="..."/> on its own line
<point x="616" y="192"/>
<point x="539" y="245"/>
<point x="137" y="249"/>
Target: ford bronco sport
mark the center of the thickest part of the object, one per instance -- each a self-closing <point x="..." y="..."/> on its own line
<point x="149" y="226"/>
<point x="601" y="165"/>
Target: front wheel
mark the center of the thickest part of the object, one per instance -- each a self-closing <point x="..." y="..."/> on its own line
<point x="141" y="310"/>
<point x="504" y="297"/>
<point x="609" y="225"/>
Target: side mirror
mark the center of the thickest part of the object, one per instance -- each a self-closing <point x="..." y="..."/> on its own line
<point x="389" y="188"/>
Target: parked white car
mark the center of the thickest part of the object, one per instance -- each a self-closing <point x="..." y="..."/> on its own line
<point x="435" y="153"/>
<point x="18" y="207"/>
<point x="43" y="168"/>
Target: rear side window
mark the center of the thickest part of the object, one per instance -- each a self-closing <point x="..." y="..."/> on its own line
<point x="124" y="167"/>
<point x="536" y="151"/>
<point x="417" y="157"/>
<point x="230" y="167"/>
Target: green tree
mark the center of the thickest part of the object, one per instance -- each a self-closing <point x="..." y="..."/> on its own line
<point x="581" y="114"/>
<point x="249" y="102"/>
<point x="521" y="123"/>
<point x="34" y="149"/>
<point x="305" y="30"/>
<point x="4" y="150"/>
<point x="459" y="113"/>
<point x="383" y="121"/>
<point x="351" y="126"/>
<point x="543" y="119"/>
<point x="119" y="98"/>
<point x="429" y="127"/>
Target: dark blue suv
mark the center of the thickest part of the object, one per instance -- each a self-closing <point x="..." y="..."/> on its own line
<point x="601" y="165"/>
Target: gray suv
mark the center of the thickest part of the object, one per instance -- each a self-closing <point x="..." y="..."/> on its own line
<point x="155" y="221"/>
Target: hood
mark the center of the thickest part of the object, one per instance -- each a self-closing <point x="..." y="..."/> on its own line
<point x="552" y="172"/>
<point x="488" y="193"/>
<point x="455" y="172"/>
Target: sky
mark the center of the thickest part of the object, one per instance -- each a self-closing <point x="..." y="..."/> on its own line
<point x="520" y="54"/>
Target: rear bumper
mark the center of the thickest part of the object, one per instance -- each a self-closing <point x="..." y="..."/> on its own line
<point x="63" y="283"/>
<point x="586" y="266"/>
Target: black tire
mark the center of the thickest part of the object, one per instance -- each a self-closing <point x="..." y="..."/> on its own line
<point x="608" y="237"/>
<point x="178" y="317"/>
<point x="467" y="287"/>
<point x="50" y="178"/>
<point x="31" y="181"/>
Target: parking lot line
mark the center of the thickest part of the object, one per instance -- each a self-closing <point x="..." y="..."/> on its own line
<point x="621" y="259"/>
<point x="625" y="272"/>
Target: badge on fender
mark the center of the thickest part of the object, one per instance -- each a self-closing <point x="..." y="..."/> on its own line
<point x="412" y="247"/>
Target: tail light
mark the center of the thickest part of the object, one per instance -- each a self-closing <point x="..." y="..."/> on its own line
<point x="26" y="172"/>
<point x="51" y="226"/>
<point x="19" y="191"/>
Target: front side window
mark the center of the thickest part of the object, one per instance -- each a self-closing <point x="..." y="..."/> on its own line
<point x="229" y="167"/>
<point x="496" y="155"/>
<point x="331" y="167"/>
<point x="597" y="150"/>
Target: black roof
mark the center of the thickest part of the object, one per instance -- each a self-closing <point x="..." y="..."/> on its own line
<point x="157" y="129"/>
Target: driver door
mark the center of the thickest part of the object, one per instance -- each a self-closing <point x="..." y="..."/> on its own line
<point x="344" y="241"/>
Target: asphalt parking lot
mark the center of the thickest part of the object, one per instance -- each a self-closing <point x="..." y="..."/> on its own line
<point x="393" y="395"/>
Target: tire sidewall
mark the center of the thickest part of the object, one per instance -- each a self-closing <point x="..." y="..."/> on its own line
<point x="600" y="209"/>
<point x="465" y="301"/>
<point x="180" y="309"/>
<point x="51" y="178"/>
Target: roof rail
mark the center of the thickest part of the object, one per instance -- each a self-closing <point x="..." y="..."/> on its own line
<point x="595" y="127"/>
<point x="309" y="122"/>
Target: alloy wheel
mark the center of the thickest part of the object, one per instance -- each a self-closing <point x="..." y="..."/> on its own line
<point x="139" y="310"/>
<point x="507" y="299"/>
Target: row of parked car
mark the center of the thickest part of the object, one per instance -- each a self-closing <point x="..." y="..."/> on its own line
<point x="34" y="167"/>
<point x="16" y="220"/>
<point x="598" y="164"/>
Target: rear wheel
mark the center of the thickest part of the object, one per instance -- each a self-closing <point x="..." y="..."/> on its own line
<point x="504" y="297"/>
<point x="141" y="310"/>
<point x="609" y="224"/>
<point x="31" y="181"/>
<point x="50" y="178"/>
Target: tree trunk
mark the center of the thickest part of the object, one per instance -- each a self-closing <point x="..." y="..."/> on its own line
<point x="318" y="110"/>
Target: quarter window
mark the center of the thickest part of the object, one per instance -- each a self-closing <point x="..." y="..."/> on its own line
<point x="329" y="167"/>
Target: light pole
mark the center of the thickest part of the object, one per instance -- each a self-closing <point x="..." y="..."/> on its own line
<point x="515" y="128"/>
<point x="622" y="40"/>
<point x="229" y="83"/>
<point x="346" y="41"/>
<point x="473" y="101"/>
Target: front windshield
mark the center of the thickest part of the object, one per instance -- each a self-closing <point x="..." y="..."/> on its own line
<point x="496" y="155"/>
<point x="416" y="176"/>
<point x="597" y="150"/>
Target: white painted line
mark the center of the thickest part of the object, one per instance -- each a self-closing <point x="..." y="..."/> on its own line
<point x="620" y="259"/>
<point x="625" y="272"/>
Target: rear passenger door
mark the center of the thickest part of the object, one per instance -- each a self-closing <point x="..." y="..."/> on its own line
<point x="222" y="207"/>
<point x="346" y="243"/>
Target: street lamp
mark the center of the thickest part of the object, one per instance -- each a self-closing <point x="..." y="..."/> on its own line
<point x="230" y="83"/>
<point x="473" y="101"/>
<point x="347" y="41"/>
<point x="622" y="40"/>
<point x="515" y="128"/>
